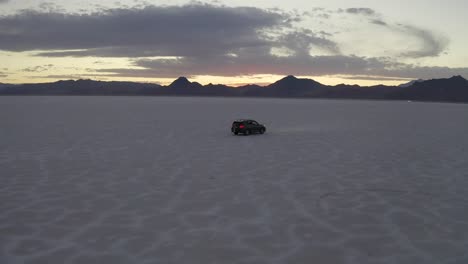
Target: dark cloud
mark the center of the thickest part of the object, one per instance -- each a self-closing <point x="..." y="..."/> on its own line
<point x="42" y="68"/>
<point x="68" y="76"/>
<point x="174" y="31"/>
<point x="421" y="72"/>
<point x="151" y="31"/>
<point x="376" y="78"/>
<point x="303" y="40"/>
<point x="432" y="44"/>
<point x="250" y="63"/>
<point x="379" y="22"/>
<point x="100" y="62"/>
<point x="360" y="11"/>
<point x="259" y="62"/>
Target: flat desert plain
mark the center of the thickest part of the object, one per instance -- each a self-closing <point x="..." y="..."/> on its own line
<point x="151" y="180"/>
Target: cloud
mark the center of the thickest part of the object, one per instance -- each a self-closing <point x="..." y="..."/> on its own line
<point x="51" y="7"/>
<point x="360" y="11"/>
<point x="303" y="40"/>
<point x="419" y="42"/>
<point x="67" y="76"/>
<point x="204" y="39"/>
<point x="379" y="22"/>
<point x="195" y="30"/>
<point x="4" y="72"/>
<point x="249" y="63"/>
<point x="260" y="62"/>
<point x="431" y="44"/>
<point x="422" y="72"/>
<point x="4" y="1"/>
<point x="191" y="30"/>
<point x="42" y="68"/>
<point x="375" y="78"/>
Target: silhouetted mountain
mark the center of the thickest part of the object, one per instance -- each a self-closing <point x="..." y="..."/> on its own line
<point x="289" y="86"/>
<point x="408" y="84"/>
<point x="84" y="87"/>
<point x="5" y="85"/>
<point x="250" y="86"/>
<point x="180" y="83"/>
<point x="292" y="86"/>
<point x="291" y="82"/>
<point x="380" y="92"/>
<point x="453" y="89"/>
<point x="221" y="90"/>
<point x="182" y="86"/>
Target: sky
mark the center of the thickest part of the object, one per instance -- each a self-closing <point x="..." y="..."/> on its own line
<point x="236" y="42"/>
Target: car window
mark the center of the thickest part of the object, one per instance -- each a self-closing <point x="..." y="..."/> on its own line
<point x="254" y="123"/>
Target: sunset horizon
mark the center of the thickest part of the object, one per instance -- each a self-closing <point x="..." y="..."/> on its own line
<point x="232" y="82"/>
<point x="245" y="42"/>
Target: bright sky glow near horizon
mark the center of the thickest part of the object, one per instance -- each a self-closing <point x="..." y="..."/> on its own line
<point x="235" y="42"/>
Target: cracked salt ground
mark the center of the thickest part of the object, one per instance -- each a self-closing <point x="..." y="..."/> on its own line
<point x="161" y="180"/>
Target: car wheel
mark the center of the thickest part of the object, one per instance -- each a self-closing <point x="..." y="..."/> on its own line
<point x="262" y="131"/>
<point x="236" y="133"/>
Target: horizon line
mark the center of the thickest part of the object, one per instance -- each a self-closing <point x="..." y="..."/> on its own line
<point x="233" y="85"/>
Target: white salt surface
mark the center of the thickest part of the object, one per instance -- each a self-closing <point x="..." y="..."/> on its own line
<point x="161" y="180"/>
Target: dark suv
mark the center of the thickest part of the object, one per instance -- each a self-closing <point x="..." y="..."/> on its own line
<point x="247" y="127"/>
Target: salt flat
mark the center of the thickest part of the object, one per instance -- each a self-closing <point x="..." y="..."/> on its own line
<point x="162" y="180"/>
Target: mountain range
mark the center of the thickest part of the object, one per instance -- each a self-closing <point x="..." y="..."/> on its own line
<point x="454" y="89"/>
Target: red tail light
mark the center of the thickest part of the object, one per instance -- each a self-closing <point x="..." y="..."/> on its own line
<point x="241" y="126"/>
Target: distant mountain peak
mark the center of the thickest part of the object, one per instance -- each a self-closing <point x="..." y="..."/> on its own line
<point x="292" y="86"/>
<point x="289" y="78"/>
<point x="408" y="84"/>
<point x="180" y="82"/>
<point x="293" y="81"/>
<point x="182" y="78"/>
<point x="457" y="78"/>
